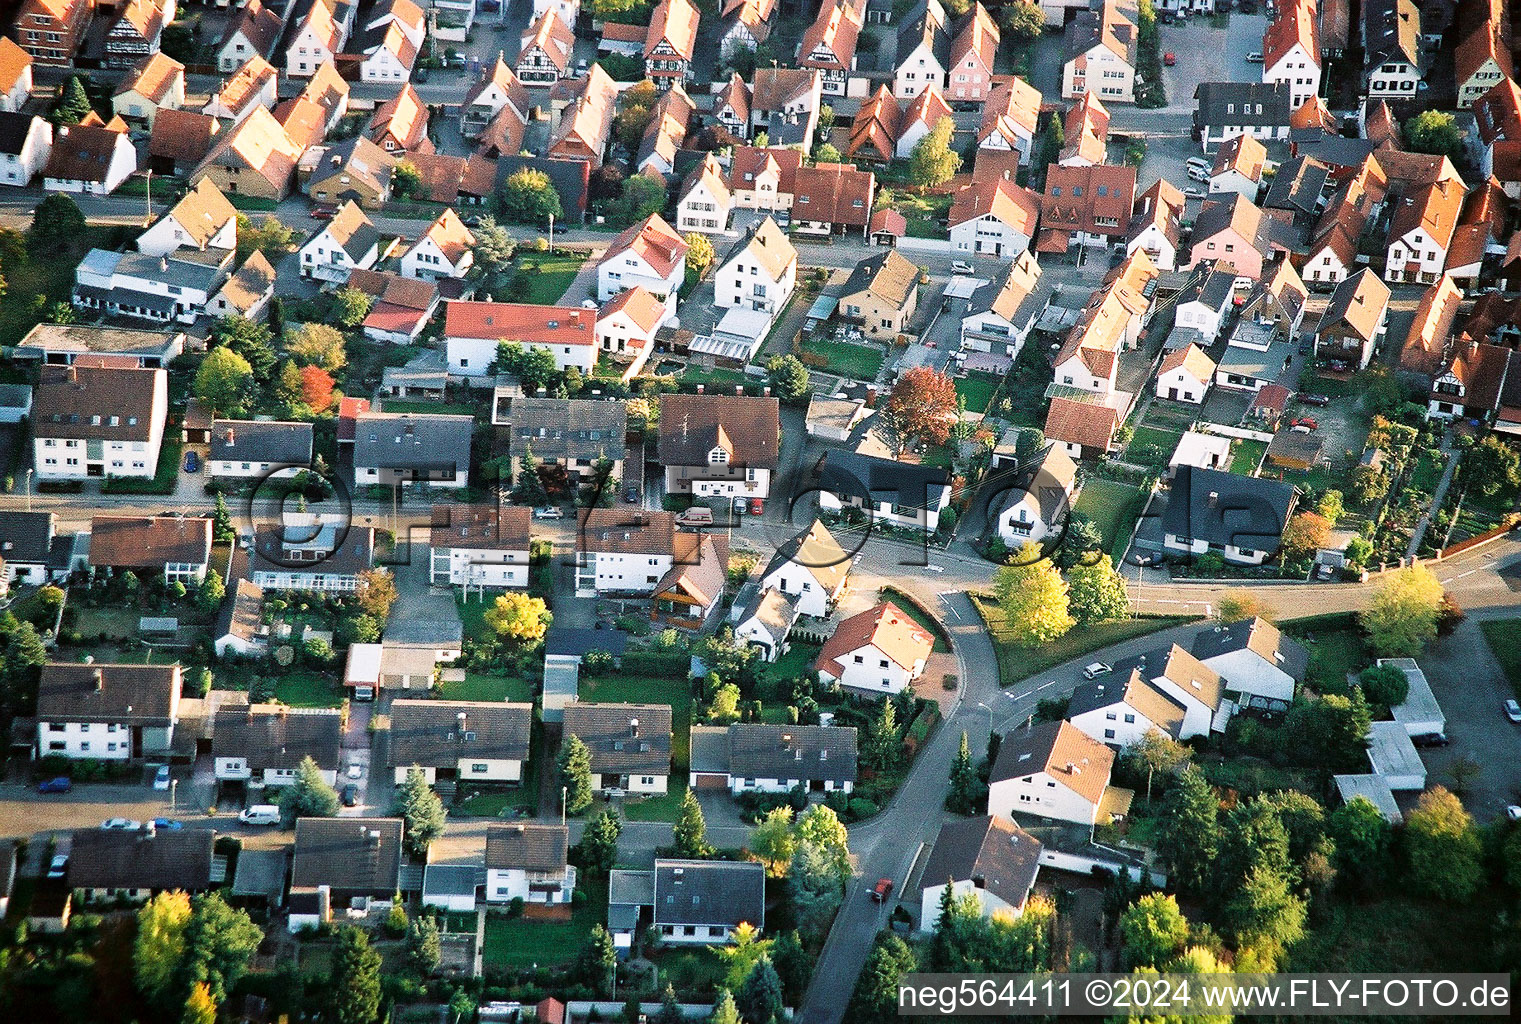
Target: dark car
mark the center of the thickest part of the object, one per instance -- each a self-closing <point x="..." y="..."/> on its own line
<point x="1431" y="739"/>
<point x="420" y="74"/>
<point x="1314" y="400"/>
<point x="1306" y="345"/>
<point x="192" y="462"/>
<point x="631" y="494"/>
<point x="882" y="889"/>
<point x="351" y="795"/>
<point x="62" y="784"/>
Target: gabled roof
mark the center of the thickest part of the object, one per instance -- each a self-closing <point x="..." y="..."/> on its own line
<point x="275" y="736"/>
<point x="82" y="692"/>
<point x="1081" y="423"/>
<point x="837" y="194"/>
<point x="352" y="229"/>
<point x="924" y="25"/>
<point x="552" y="36"/>
<point x="304" y="120"/>
<point x="673" y="22"/>
<point x="1297" y="22"/>
<point x="638" y="305"/>
<point x="1105" y="27"/>
<point x="567" y="428"/>
<point x="153" y="78"/>
<point x="451" y="236"/>
<point x="518" y="321"/>
<point x="1059" y="749"/>
<point x="202" y="212"/>
<point x="1298" y="186"/>
<point x="1236" y="103"/>
<point x="1182" y="669"/>
<point x="837" y="30"/>
<point x="627" y="531"/>
<point x="750" y="162"/>
<point x="1086" y="131"/>
<point x="623" y="738"/>
<point x="1260" y="637"/>
<point x="1482" y="371"/>
<point x="1433" y="208"/>
<point x="1431" y="330"/>
<point x="502" y="76"/>
<point x="888" y="276"/>
<point x="876" y="126"/>
<point x="977" y="34"/>
<point x="710" y="892"/>
<point x="1012" y="109"/>
<point x="1161" y="206"/>
<point x="1498" y="112"/>
<point x="14" y="62"/>
<point x="141" y="859"/>
<point x="691" y="426"/>
<point x="736" y="96"/>
<point x="1391" y="32"/>
<point x="257" y="24"/>
<point x="527" y="846"/>
<point x="816" y="552"/>
<point x="667" y="129"/>
<point x="754" y="15"/>
<point x="1008" y="289"/>
<point x="347" y="854"/>
<point x="701" y="578"/>
<point x="246" y="84"/>
<point x="68" y="400"/>
<point x="767" y="246"/>
<point x="486" y="527"/>
<point x="257" y="143"/>
<point x="926" y="108"/>
<point x="183" y="136"/>
<point x="1192" y="359"/>
<point x="887" y="628"/>
<point x="83" y="152"/>
<point x="272" y="441"/>
<point x="652" y="240"/>
<point x="992" y="852"/>
<point x="441" y="733"/>
<point x="1013" y="205"/>
<point x="1358" y="303"/>
<point x="1076" y="198"/>
<point x="1311" y="114"/>
<point x="404" y="117"/>
<point x="773" y="88"/>
<point x="1242" y="154"/>
<point x="130" y="542"/>
<point x="589" y="118"/>
<point x="792" y="752"/>
<point x="410" y="441"/>
<point x="327" y="87"/>
<point x="1226" y="508"/>
<point x="1133" y="689"/>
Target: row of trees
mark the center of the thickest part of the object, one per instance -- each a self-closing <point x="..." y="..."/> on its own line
<point x="1040" y="605"/>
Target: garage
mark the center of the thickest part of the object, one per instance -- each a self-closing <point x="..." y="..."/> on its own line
<point x="709" y="780"/>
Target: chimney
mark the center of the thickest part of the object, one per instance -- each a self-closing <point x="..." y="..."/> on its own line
<point x="460" y="720"/>
<point x="1214" y="497"/>
<point x="633" y="727"/>
<point x="100" y="679"/>
<point x="163" y="263"/>
<point x="231" y="437"/>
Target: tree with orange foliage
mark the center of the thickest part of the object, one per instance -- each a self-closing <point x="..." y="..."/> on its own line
<point x="922" y="406"/>
<point x="1305" y="533"/>
<point x="316" y="388"/>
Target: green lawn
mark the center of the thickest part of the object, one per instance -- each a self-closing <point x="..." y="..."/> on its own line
<point x="694" y="970"/>
<point x="50" y="277"/>
<point x="1163" y="438"/>
<point x="542" y="279"/>
<point x="516" y="942"/>
<point x="1113" y="507"/>
<point x="665" y="807"/>
<point x="1016" y="663"/>
<point x="621" y="689"/>
<point x="1246" y="456"/>
<point x="472" y="612"/>
<point x="1336" y="650"/>
<point x="977" y="389"/>
<point x="1504" y="637"/>
<point x="493" y="803"/>
<point x="846" y="359"/>
<point x="307" y="690"/>
<point x="483" y="687"/>
<point x="798" y="661"/>
<point x="164" y="476"/>
<point x="694" y="374"/>
<point x="116" y="622"/>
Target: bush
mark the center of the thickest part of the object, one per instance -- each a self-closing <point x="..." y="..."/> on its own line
<point x="858" y="809"/>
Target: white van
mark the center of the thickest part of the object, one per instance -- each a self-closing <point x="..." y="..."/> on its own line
<point x="697" y="515"/>
<point x="260" y="814"/>
<point x="1198" y="174"/>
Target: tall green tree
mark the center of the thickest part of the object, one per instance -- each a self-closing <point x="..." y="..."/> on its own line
<point x="249" y="339"/>
<point x="1033" y="597"/>
<point x="210" y="591"/>
<point x="793" y="965"/>
<point x="21" y="670"/>
<point x="1491" y="466"/>
<point x="1435" y="132"/>
<point x="421" y="812"/>
<point x="309" y="796"/>
<point x="199" y="1009"/>
<point x="597" y="959"/>
<point x="354" y="983"/>
<point x="597" y="851"/>
<point x="1264" y="912"/>
<point x="1023" y="21"/>
<point x="883" y="745"/>
<point x="691" y="830"/>
<point x="57" y="224"/>
<point x="73" y="103"/>
<point x="875" y="999"/>
<point x="772" y="841"/>
<point x="529" y="197"/>
<point x="1443" y="847"/>
<point x="789" y="377"/>
<point x="160" y="946"/>
<point x="1190" y="837"/>
<point x="821" y="828"/>
<point x="700" y="254"/>
<point x="1402" y="617"/>
<point x="965" y="785"/>
<point x="223" y="382"/>
<point x="932" y="160"/>
<point x="575" y="774"/>
<point x="724" y="1010"/>
<point x="1153" y="930"/>
<point x="1157" y="752"/>
<point x="220" y="941"/>
<point x="423" y="948"/>
<point x="1363" y="838"/>
<point x="351" y="306"/>
<point x="1096" y="591"/>
<point x="760" y="997"/>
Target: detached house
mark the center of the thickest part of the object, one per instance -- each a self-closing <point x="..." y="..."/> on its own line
<point x="528" y="862"/>
<point x="460" y="740"/>
<point x="1205" y="299"/>
<point x="1239" y="164"/>
<point x="970" y="71"/>
<point x="401" y="123"/>
<point x="665" y="134"/>
<point x="1185" y="375"/>
<point x="250" y="449"/>
<point x="988" y="857"/>
<point x="1085" y="134"/>
<point x="352" y="170"/>
<point x="202" y="219"/>
<point x="705" y="199"/>
<point x="26" y="145"/>
<point x="719" y="446"/>
<point x="1255" y="659"/>
<point x="758" y="272"/>
<point x="31" y="552"/>
<point x="671" y="43"/>
<point x="1354" y="321"/>
<point x="1000" y="313"/>
<point x="757" y="758"/>
<point x="545" y="51"/>
<point x="253" y="34"/>
<point x="1100" y="54"/>
<point x="15" y="75"/>
<point x="1226" y="109"/>
<point x="253" y="85"/>
<point x="342" y="863"/>
<point x="98" y="421"/>
<point x="178" y="547"/>
<point x="1053" y="770"/>
<point x="479" y="546"/>
<point x="810" y="568"/>
<point x="911" y="495"/>
<point x="924" y="50"/>
<point x="994" y="218"/>
<point x="497" y="88"/>
<point x="1085" y="206"/>
<point x="924" y="112"/>
<point x="650" y="253"/>
<point x="764" y="179"/>
<point x="627" y="550"/>
<point x="829" y="44"/>
<point x="1241" y="518"/>
<point x="630" y="744"/>
<point x="1009" y="119"/>
<point x="264" y="744"/>
<point x="135" y="34"/>
<point x="444" y="249"/>
<point x="133" y="865"/>
<point x="474" y="330"/>
<point x="403" y="448"/>
<point x="107" y="712"/>
<point x="784" y="103"/>
<point x="315" y="556"/>
<point x="874" y="130"/>
<point x="154" y="84"/>
<point x="882" y="294"/>
<point x="879" y="651"/>
<point x="1036" y="505"/>
<point x="347" y="242"/>
<point x="691" y="902"/>
<point x="1391" y="48"/>
<point x="317" y="39"/>
<point x="626" y="328"/>
<point x="92" y="158"/>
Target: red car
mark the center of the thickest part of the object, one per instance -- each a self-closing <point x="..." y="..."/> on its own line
<point x="757" y="506"/>
<point x="1308" y="422"/>
<point x="882" y="889"/>
<point x="1169" y="59"/>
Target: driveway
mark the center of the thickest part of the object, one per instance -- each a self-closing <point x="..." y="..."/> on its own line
<point x="1209" y="54"/>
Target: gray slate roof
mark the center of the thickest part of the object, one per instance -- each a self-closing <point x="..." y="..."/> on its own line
<point x="1225" y="508"/>
<point x="1259" y="636"/>
<point x="353" y="854"/>
<point x="410" y="441"/>
<point x="792" y="752"/>
<point x="527" y="846"/>
<point x="25" y="536"/>
<point x="1215" y="102"/>
<point x="909" y="486"/>
<point x="1002" y="855"/>
<point x="275" y="736"/>
<point x="624" y="738"/>
<point x="118" y="859"/>
<point x="568" y="428"/>
<point x="269" y="441"/>
<point x="710" y="892"/>
<point x="431" y="733"/>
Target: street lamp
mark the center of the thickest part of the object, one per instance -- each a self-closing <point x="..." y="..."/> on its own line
<point x="564" y="791"/>
<point x="173" y="794"/>
<point x="990" y="716"/>
<point x="28" y="490"/>
<point x="551" y="234"/>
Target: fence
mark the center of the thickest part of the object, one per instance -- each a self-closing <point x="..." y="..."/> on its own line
<point x="1469" y="543"/>
<point x="1240" y="433"/>
<point x="938" y="246"/>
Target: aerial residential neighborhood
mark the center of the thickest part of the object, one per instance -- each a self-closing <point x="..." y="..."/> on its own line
<point x="586" y="510"/>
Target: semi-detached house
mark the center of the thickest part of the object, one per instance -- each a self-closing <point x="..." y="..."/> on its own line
<point x="757" y="758"/>
<point x="1053" y="770"/>
<point x="829" y="44"/>
<point x="650" y="253"/>
<point x="479" y="546"/>
<point x="264" y="744"/>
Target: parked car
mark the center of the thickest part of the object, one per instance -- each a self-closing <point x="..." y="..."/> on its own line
<point x="260" y="814"/>
<point x="631" y="495"/>
<point x="739" y="506"/>
<point x="161" y="778"/>
<point x="1199" y="162"/>
<point x="1169" y="59"/>
<point x="1308" y="422"/>
<point x="697" y="515"/>
<point x="62" y="784"/>
<point x="1513" y="812"/>
<point x="882" y="890"/>
<point x="128" y="825"/>
<point x="1255" y="57"/>
<point x="192" y="462"/>
<point x="168" y="824"/>
<point x="549" y="513"/>
<point x="1194" y="193"/>
<point x="322" y="212"/>
<point x="58" y="865"/>
<point x="1098" y="668"/>
<point x="420" y="74"/>
<point x="1314" y="400"/>
<point x="1513" y="710"/>
<point x="1431" y="739"/>
<point x="757" y="506"/>
<point x="961" y="267"/>
<point x="351" y="795"/>
<point x="1306" y="345"/>
<point x="1198" y="174"/>
<point x="356" y="770"/>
